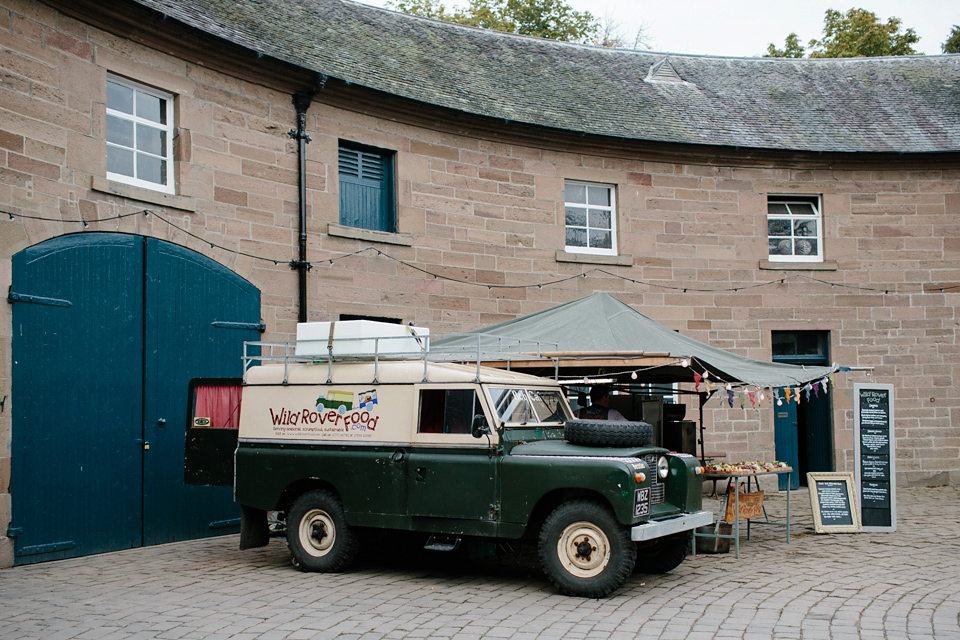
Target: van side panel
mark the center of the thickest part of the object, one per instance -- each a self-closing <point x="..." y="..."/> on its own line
<point x="370" y="480"/>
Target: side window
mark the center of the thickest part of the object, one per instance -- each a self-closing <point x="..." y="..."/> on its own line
<point x="794" y="228"/>
<point x="216" y="406"/>
<point x="447" y="410"/>
<point x="590" y="216"/>
<point x="139" y="135"/>
<point x="366" y="188"/>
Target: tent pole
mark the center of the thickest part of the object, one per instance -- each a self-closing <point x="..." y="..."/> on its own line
<point x="703" y="400"/>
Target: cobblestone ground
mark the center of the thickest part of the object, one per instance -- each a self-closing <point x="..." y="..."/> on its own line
<point x="870" y="585"/>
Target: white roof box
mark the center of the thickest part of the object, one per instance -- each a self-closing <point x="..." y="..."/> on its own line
<point x="359" y="337"/>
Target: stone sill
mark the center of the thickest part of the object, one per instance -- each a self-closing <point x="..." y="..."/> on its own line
<point x="589" y="258"/>
<point x="184" y="203"/>
<point x="799" y="266"/>
<point x="368" y="235"/>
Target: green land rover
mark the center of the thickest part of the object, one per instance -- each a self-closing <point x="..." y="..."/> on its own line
<point x="456" y="453"/>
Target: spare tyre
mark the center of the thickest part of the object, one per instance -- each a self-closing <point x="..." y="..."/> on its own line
<point x="608" y="433"/>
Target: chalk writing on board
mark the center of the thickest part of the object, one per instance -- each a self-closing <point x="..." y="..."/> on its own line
<point x="834" y="503"/>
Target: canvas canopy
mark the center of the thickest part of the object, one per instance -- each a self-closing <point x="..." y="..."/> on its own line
<point x="601" y="329"/>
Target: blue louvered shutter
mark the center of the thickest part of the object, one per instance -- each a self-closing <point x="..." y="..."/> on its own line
<point x="366" y="189"/>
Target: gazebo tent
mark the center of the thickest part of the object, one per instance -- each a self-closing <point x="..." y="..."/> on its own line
<point x="599" y="338"/>
<point x="599" y="331"/>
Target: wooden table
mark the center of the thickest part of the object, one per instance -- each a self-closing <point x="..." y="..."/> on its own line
<point x="752" y="477"/>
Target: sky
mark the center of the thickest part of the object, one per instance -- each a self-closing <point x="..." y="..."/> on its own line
<point x="746" y="27"/>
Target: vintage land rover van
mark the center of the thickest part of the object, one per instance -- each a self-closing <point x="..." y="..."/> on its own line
<point x="341" y="444"/>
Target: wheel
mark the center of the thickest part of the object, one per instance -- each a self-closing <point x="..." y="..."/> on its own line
<point x="663" y="554"/>
<point x="608" y="433"/>
<point x="318" y="534"/>
<point x="584" y="551"/>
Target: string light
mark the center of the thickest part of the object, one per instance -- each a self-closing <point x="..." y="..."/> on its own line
<point x="540" y="285"/>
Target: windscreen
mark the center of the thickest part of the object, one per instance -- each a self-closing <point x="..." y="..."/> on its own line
<point x="523" y="406"/>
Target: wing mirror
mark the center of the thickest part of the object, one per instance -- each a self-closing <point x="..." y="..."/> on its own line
<point x="480" y="426"/>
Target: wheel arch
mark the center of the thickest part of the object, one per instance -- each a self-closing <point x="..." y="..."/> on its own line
<point x="553" y="499"/>
<point x="299" y="487"/>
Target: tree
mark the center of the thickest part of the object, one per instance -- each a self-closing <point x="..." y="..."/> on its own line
<point x="952" y="45"/>
<point x="553" y="19"/>
<point x="791" y="49"/>
<point x="853" y="34"/>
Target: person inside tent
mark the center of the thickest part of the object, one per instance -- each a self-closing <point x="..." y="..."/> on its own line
<point x="599" y="408"/>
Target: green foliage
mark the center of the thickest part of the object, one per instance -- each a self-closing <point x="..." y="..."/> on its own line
<point x="791" y="49"/>
<point x="858" y="33"/>
<point x="553" y="19"/>
<point x="853" y="34"/>
<point x="952" y="45"/>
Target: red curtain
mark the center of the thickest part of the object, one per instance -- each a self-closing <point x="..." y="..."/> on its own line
<point x="220" y="403"/>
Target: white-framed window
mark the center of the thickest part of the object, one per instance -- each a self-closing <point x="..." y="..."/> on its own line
<point x="590" y="216"/>
<point x="794" y="229"/>
<point x="139" y="135"/>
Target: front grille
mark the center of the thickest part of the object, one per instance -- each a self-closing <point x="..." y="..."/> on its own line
<point x="657" y="489"/>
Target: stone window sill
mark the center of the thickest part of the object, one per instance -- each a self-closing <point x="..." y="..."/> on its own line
<point x="368" y="235"/>
<point x="828" y="265"/>
<point x="589" y="258"/>
<point x="184" y="203"/>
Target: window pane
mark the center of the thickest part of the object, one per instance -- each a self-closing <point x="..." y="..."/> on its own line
<point x="809" y="343"/>
<point x="512" y="405"/>
<point x="784" y="344"/>
<point x="599" y="219"/>
<point x="548" y="406"/>
<point x="119" y="98"/>
<point x="119" y="131"/>
<point x="576" y="237"/>
<point x="576" y="217"/>
<point x="778" y="227"/>
<point x="151" y="140"/>
<point x="459" y="411"/>
<point x="780" y="247"/>
<point x="777" y="208"/>
<point x="599" y="196"/>
<point x="805" y="228"/>
<point x="151" y="107"/>
<point x="601" y="239"/>
<point x="575" y="193"/>
<point x="805" y="247"/>
<point x="119" y="160"/>
<point x="151" y="169"/>
<point x="802" y="209"/>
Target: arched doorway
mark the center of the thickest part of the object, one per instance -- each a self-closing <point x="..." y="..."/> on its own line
<point x="108" y="331"/>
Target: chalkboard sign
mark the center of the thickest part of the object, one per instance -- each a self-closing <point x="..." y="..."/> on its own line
<point x="834" y="503"/>
<point x="874" y="459"/>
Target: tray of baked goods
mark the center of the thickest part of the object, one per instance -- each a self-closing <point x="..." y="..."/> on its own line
<point x="745" y="468"/>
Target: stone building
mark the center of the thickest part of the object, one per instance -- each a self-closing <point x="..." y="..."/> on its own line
<point x="167" y="166"/>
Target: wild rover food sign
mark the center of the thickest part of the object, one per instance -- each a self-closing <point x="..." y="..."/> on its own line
<point x="875" y="459"/>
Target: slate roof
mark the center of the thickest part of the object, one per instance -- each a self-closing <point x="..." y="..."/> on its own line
<point x="898" y="104"/>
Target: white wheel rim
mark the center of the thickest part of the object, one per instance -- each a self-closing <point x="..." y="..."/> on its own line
<point x="583" y="549"/>
<point x="317" y="533"/>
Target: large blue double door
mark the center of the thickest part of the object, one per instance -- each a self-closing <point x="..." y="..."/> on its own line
<point x="108" y="332"/>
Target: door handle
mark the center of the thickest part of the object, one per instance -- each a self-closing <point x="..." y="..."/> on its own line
<point x="421" y="474"/>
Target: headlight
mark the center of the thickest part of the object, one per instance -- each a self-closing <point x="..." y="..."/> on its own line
<point x="663" y="467"/>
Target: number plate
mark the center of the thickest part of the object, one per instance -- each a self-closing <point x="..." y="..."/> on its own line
<point x="641" y="505"/>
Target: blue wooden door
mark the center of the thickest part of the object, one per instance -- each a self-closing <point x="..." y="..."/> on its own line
<point x="198" y="315"/>
<point x="108" y="331"/>
<point x="76" y="450"/>
<point x="785" y="438"/>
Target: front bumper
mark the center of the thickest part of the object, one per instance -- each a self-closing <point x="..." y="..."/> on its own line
<point x="660" y="528"/>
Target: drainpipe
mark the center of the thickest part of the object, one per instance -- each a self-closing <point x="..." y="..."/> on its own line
<point x="301" y="102"/>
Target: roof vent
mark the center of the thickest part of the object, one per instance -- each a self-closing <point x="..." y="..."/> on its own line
<point x="662" y="72"/>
